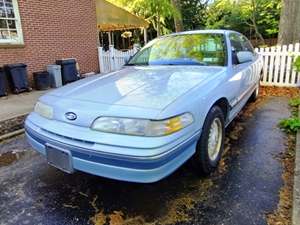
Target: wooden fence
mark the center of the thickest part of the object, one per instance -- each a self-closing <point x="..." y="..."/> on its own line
<point x="113" y="59"/>
<point x="278" y="69"/>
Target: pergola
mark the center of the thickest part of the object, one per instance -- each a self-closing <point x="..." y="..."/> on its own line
<point x="113" y="18"/>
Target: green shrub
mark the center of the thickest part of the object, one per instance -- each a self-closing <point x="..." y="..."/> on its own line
<point x="291" y="125"/>
<point x="297" y="64"/>
<point x="295" y="102"/>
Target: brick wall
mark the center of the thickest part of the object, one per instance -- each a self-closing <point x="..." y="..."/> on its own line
<point x="54" y="30"/>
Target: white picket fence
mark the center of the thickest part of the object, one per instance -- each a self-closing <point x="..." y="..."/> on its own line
<point x="113" y="59"/>
<point x="278" y="69"/>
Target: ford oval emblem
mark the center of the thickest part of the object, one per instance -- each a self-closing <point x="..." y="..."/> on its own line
<point x="71" y="116"/>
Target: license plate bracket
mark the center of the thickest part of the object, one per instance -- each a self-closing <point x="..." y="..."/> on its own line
<point x="59" y="158"/>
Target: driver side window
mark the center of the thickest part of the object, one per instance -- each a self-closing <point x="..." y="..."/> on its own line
<point x="240" y="44"/>
<point x="247" y="46"/>
<point x="236" y="46"/>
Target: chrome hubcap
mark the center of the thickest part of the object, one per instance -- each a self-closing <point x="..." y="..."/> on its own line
<point x="215" y="139"/>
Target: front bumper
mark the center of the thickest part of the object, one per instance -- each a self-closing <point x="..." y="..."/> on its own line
<point x="88" y="158"/>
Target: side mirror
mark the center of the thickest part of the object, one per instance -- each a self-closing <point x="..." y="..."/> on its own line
<point x="245" y="56"/>
<point x="127" y="58"/>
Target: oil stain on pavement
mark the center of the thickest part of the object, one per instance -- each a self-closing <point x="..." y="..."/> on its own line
<point x="242" y="192"/>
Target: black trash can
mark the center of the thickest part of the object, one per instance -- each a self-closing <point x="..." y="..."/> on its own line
<point x="3" y="88"/>
<point x="17" y="76"/>
<point x="41" y="80"/>
<point x="69" y="71"/>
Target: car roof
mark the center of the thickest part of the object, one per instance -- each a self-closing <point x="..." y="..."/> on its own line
<point x="203" y="32"/>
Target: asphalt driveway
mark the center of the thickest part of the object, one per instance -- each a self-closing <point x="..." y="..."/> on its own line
<point x="242" y="192"/>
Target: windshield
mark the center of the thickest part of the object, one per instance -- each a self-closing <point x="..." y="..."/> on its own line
<point x="188" y="49"/>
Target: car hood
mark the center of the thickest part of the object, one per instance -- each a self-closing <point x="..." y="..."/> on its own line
<point x="152" y="87"/>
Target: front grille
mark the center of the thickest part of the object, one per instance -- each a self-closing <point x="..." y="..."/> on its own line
<point x="69" y="138"/>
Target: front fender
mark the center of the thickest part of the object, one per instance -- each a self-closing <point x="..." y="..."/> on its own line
<point x="198" y="101"/>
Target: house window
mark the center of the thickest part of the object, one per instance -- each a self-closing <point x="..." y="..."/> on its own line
<point x="10" y="24"/>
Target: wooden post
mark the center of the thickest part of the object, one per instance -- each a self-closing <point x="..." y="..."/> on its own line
<point x="109" y="38"/>
<point x="98" y="39"/>
<point x="112" y="57"/>
<point x="277" y="64"/>
<point x="145" y="35"/>
<point x="123" y="43"/>
<point x="289" y="65"/>
<point x="296" y="74"/>
<point x="283" y="74"/>
<point x="100" y="57"/>
<point x="266" y="65"/>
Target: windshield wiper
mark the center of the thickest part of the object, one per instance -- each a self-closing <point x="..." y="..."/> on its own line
<point x="136" y="64"/>
<point x="178" y="62"/>
<point x="183" y="64"/>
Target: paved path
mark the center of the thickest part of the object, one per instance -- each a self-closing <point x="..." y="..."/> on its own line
<point x="16" y="105"/>
<point x="31" y="192"/>
<point x="296" y="193"/>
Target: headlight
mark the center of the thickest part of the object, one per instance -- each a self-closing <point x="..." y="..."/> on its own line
<point x="43" y="110"/>
<point x="142" y="127"/>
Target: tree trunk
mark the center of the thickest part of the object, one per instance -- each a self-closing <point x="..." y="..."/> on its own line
<point x="177" y="18"/>
<point x="158" y="25"/>
<point x="289" y="28"/>
<point x="257" y="33"/>
<point x="297" y="23"/>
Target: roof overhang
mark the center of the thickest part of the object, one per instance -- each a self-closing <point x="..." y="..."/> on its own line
<point x="111" y="18"/>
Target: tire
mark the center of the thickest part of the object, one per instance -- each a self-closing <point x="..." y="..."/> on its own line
<point x="255" y="94"/>
<point x="203" y="162"/>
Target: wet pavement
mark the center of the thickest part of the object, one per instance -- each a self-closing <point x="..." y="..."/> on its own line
<point x="241" y="192"/>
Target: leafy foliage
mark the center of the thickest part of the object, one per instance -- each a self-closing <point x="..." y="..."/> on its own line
<point x="291" y="125"/>
<point x="157" y="12"/>
<point x="194" y="13"/>
<point x="254" y="18"/>
<point x="223" y="14"/>
<point x="245" y="16"/>
<point x="268" y="16"/>
<point x="295" y="102"/>
<point x="297" y="64"/>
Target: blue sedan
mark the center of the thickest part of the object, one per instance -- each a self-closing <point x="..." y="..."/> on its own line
<point x="171" y="102"/>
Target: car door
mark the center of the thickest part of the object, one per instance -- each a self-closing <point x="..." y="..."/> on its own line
<point x="250" y="80"/>
<point x="242" y="71"/>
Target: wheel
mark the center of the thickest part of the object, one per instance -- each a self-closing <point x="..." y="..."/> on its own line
<point x="255" y="94"/>
<point x="211" y="143"/>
